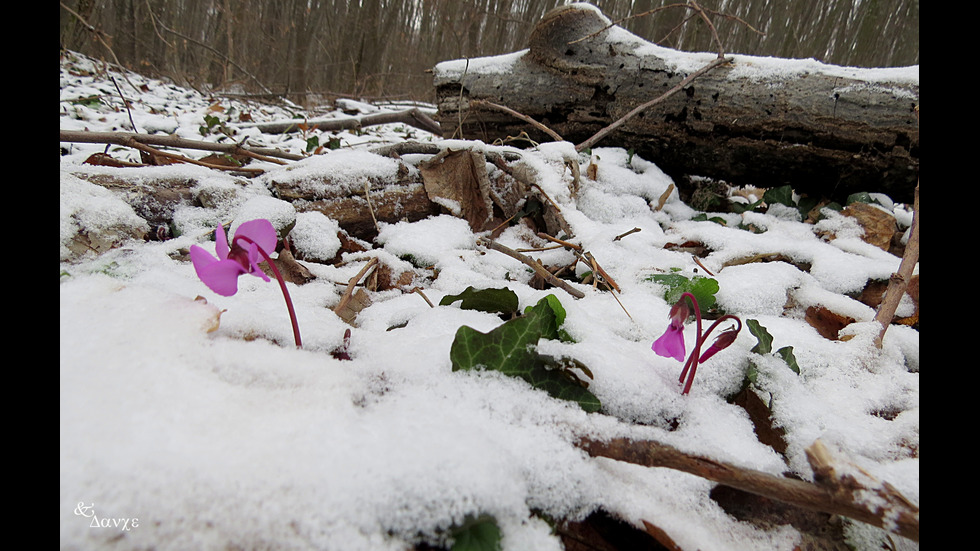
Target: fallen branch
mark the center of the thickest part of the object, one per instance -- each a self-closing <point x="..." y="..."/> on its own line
<point x="126" y="139"/>
<point x="899" y="281"/>
<point x="180" y="158"/>
<point x="413" y="117"/>
<point x="836" y="494"/>
<point x="534" y="265"/>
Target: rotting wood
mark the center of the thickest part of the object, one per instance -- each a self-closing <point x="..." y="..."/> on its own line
<point x="824" y="133"/>
<point x="836" y="492"/>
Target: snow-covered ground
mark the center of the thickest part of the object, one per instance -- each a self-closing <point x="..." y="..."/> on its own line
<point x="179" y="435"/>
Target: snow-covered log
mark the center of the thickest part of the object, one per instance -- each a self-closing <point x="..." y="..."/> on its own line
<point x="826" y="130"/>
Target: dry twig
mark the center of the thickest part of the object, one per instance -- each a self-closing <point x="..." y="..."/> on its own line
<point x="900" y="516"/>
<point x="534" y="265"/>
<point x="899" y="281"/>
<point x="554" y="135"/>
<point x="126" y="138"/>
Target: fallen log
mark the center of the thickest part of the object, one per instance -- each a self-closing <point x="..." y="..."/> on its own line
<point x="826" y="130"/>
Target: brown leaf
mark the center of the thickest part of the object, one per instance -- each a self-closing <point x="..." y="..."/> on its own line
<point x="358" y="301"/>
<point x="104" y="159"/>
<point x="826" y="322"/>
<point x="224" y="159"/>
<point x="458" y="181"/>
<point x="761" y="418"/>
<point x="879" y="226"/>
<point x="291" y="270"/>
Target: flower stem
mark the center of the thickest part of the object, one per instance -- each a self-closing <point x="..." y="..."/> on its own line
<point x="692" y="362"/>
<point x="282" y="285"/>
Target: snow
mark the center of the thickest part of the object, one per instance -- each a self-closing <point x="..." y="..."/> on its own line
<point x="195" y="424"/>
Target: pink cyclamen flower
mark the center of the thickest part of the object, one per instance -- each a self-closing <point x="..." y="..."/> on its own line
<point x="671" y="343"/>
<point x="221" y="274"/>
<point x="722" y="341"/>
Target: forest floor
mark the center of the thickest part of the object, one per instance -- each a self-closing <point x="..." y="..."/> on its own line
<point x="190" y="420"/>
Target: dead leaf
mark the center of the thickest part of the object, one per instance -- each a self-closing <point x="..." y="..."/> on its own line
<point x="213" y="320"/>
<point x="104" y="159"/>
<point x="291" y="270"/>
<point x="348" y="311"/>
<point x="458" y="181"/>
<point x="761" y="418"/>
<point x="827" y="322"/>
<point x="225" y="159"/>
<point x="879" y="226"/>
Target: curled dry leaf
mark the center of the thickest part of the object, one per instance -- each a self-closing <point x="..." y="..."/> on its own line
<point x="213" y="319"/>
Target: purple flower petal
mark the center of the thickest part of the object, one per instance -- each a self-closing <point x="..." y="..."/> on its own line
<point x="201" y="258"/>
<point x="671" y="343"/>
<point x="260" y="232"/>
<point x="222" y="276"/>
<point x="221" y="243"/>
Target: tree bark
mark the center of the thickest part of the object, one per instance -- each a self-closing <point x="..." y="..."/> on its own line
<point x="827" y="131"/>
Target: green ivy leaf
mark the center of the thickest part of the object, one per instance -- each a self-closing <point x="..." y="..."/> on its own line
<point x="477" y="535"/>
<point x="485" y="300"/>
<point x="760" y="332"/>
<point x="312" y="143"/>
<point x="703" y="288"/>
<point x="509" y="349"/>
<point x="782" y="195"/>
<point x="557" y="309"/>
<point x="739" y="208"/>
<point x="786" y="353"/>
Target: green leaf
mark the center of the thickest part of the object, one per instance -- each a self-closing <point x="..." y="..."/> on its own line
<point x="782" y="195"/>
<point x="477" y="535"/>
<point x="703" y="288"/>
<point x="739" y="208"/>
<point x="786" y="353"/>
<point x="806" y="205"/>
<point x="312" y="143"/>
<point x="486" y="300"/>
<point x="765" y="339"/>
<point x="509" y="349"/>
<point x="859" y="197"/>
<point x="556" y="308"/>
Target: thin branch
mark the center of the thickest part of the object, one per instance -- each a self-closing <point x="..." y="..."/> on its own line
<point x="900" y="516"/>
<point x="554" y="135"/>
<point x="602" y="133"/>
<point x="412" y="117"/>
<point x="534" y="265"/>
<point x="212" y="50"/>
<point x="899" y="281"/>
<point x="156" y="152"/>
<point x="125" y="138"/>
<point x="99" y="36"/>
